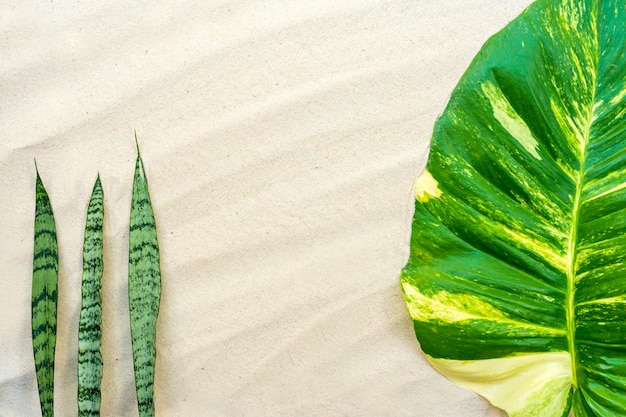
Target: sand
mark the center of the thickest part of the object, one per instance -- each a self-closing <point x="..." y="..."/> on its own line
<point x="280" y="140"/>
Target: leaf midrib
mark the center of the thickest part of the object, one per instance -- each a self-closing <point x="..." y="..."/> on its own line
<point x="573" y="236"/>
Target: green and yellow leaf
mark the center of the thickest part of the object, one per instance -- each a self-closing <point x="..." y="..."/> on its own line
<point x="144" y="289"/>
<point x="89" y="327"/>
<point x="516" y="281"/>
<point x="44" y="297"/>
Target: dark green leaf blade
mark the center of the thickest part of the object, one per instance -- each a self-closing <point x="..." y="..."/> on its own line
<point x="44" y="298"/>
<point x="516" y="279"/>
<point x="89" y="327"/>
<point x="144" y="289"/>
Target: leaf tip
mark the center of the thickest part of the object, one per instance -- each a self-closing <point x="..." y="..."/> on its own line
<point x="38" y="181"/>
<point x="137" y="144"/>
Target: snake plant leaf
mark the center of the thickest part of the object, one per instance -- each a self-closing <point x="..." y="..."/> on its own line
<point x="144" y="289"/>
<point x="516" y="280"/>
<point x="44" y="297"/>
<point x="89" y="326"/>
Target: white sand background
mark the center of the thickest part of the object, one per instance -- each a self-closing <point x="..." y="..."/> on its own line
<point x="280" y="140"/>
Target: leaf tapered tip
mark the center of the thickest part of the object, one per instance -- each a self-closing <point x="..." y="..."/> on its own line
<point x="137" y="144"/>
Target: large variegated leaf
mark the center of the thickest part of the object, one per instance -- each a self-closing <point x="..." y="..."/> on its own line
<point x="516" y="281"/>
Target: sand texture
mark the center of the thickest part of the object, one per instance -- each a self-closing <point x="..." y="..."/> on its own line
<point x="280" y="140"/>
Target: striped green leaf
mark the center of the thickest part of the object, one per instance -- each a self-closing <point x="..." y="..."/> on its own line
<point x="516" y="281"/>
<point x="89" y="330"/>
<point x="44" y="297"/>
<point x="144" y="289"/>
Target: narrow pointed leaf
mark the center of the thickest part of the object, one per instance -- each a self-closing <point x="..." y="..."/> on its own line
<point x="516" y="281"/>
<point x="144" y="289"/>
<point x="44" y="297"/>
<point x="89" y="327"/>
